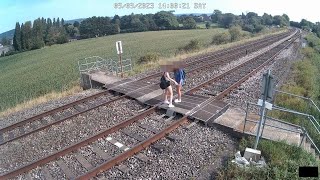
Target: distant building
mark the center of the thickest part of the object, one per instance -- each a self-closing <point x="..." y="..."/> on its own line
<point x="11" y="41"/>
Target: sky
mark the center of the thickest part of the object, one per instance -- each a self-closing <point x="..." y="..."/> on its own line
<point x="12" y="11"/>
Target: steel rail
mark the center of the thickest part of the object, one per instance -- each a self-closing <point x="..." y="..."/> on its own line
<point x="218" y="53"/>
<point x="132" y="151"/>
<point x="229" y="71"/>
<point x="46" y="113"/>
<point x="63" y="119"/>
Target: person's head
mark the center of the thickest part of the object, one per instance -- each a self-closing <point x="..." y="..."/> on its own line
<point x="179" y="64"/>
<point x="166" y="66"/>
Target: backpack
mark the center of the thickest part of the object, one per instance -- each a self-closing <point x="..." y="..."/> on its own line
<point x="184" y="76"/>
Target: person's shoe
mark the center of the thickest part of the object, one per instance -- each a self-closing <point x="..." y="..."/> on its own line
<point x="177" y="100"/>
<point x="171" y="106"/>
<point x="166" y="102"/>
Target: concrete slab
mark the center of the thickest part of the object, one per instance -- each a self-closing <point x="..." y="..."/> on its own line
<point x="176" y="109"/>
<point x="150" y="95"/>
<point x="210" y="111"/>
<point x="103" y="78"/>
<point x="234" y="118"/>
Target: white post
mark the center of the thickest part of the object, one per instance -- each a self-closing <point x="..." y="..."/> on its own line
<point x="119" y="52"/>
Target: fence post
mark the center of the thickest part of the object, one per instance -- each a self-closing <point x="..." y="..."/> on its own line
<point x="304" y="135"/>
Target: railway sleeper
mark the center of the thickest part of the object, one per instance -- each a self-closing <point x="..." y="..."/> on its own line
<point x="142" y="157"/>
<point x="123" y="168"/>
<point x="84" y="162"/>
<point x="65" y="169"/>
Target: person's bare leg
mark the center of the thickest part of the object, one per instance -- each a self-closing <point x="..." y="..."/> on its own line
<point x="179" y="92"/>
<point x="165" y="95"/>
<point x="178" y="87"/>
<point x="171" y="95"/>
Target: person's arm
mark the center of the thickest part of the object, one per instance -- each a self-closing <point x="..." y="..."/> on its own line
<point x="170" y="79"/>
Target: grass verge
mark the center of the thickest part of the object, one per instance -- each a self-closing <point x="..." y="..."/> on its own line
<point x="283" y="162"/>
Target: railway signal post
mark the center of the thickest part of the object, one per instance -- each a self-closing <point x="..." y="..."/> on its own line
<point x="267" y="90"/>
<point x="119" y="52"/>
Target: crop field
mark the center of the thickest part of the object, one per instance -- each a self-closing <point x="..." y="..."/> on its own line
<point x="34" y="73"/>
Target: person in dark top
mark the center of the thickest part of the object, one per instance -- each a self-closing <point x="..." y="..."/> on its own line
<point x="166" y="85"/>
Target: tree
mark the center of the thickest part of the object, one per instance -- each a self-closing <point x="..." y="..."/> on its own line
<point x="72" y="31"/>
<point x="189" y="23"/>
<point x="17" y="38"/>
<point x="216" y="16"/>
<point x="5" y="41"/>
<point x="286" y="17"/>
<point x="58" y="22"/>
<point x="267" y="19"/>
<point x="152" y="25"/>
<point x="37" y="36"/>
<point x="23" y="39"/>
<point x="62" y="37"/>
<point x="305" y="24"/>
<point x="76" y="24"/>
<point x="235" y="33"/>
<point x="280" y="20"/>
<point x="28" y="35"/>
<point x="116" y="20"/>
<point x="54" y="22"/>
<point x="295" y="24"/>
<point x="97" y="26"/>
<point x="137" y="25"/>
<point x="227" y="20"/>
<point x="166" y="20"/>
<point x="207" y="25"/>
<point x="251" y="15"/>
<point x="62" y="22"/>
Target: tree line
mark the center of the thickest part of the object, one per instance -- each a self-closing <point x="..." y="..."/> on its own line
<point x="101" y="26"/>
<point x="307" y="25"/>
<point x="43" y="32"/>
<point x="250" y="22"/>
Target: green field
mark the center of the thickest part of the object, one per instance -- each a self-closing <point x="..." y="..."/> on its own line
<point x="34" y="73"/>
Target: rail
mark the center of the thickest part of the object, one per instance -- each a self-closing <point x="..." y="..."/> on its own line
<point x="310" y="117"/>
<point x="301" y="97"/>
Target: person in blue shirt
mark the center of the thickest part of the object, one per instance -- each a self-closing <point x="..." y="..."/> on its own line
<point x="178" y="76"/>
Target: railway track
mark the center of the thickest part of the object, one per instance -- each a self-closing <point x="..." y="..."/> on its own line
<point x="142" y="129"/>
<point x="58" y="115"/>
<point x="227" y="55"/>
<point x="224" y="82"/>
